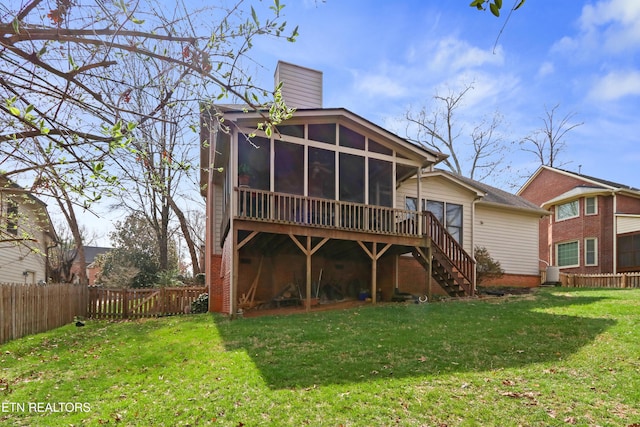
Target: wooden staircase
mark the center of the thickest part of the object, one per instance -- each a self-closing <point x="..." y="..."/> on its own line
<point x="451" y="266"/>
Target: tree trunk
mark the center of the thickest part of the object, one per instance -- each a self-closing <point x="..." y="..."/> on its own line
<point x="195" y="261"/>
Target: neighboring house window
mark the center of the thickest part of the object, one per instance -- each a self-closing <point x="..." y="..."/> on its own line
<point x="12" y="217"/>
<point x="567" y="254"/>
<point x="590" y="206"/>
<point x="567" y="210"/>
<point x="591" y="251"/>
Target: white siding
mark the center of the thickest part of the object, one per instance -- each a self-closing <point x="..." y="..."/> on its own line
<point x="511" y="237"/>
<point x="27" y="255"/>
<point x="442" y="190"/>
<point x="302" y="87"/>
<point x="628" y="224"/>
<point x="218" y="207"/>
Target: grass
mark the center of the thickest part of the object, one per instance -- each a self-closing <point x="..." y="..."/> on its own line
<point x="557" y="357"/>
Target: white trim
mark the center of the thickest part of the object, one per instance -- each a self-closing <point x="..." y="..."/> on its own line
<point x="595" y="251"/>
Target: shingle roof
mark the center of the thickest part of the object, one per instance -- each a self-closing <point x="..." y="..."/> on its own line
<point x="495" y="195"/>
<point x="601" y="181"/>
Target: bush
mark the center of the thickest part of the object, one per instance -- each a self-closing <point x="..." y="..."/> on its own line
<point x="486" y="267"/>
<point x="201" y="304"/>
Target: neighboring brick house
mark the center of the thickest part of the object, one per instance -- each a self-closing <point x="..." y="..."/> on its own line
<point x="90" y="255"/>
<point x="594" y="226"/>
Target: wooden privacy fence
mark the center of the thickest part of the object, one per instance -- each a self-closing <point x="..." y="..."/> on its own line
<point x="620" y="280"/>
<point x="31" y="309"/>
<point x="105" y="303"/>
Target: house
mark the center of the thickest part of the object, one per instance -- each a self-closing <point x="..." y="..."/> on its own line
<point x="26" y="235"/>
<point x="479" y="215"/>
<point x="594" y="226"/>
<point x="320" y="208"/>
<point x="91" y="254"/>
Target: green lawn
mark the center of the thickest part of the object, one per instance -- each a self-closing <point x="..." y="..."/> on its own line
<point x="557" y="357"/>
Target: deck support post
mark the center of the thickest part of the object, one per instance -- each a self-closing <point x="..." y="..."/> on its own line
<point x="374" y="255"/>
<point x="308" y="250"/>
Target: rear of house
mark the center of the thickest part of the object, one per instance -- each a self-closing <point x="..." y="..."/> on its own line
<point x="327" y="208"/>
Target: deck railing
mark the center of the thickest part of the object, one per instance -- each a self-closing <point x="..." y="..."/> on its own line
<point x="260" y="205"/>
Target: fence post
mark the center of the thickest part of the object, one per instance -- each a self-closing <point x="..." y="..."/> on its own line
<point x="624" y="281"/>
<point x="125" y="304"/>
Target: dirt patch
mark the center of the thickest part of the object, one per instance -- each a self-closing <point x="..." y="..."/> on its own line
<point x="338" y="305"/>
<point x="500" y="291"/>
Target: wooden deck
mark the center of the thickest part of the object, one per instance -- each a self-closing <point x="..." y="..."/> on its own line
<point x="258" y="211"/>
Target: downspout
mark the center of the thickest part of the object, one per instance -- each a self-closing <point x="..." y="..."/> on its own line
<point x="473" y="240"/>
<point x="615" y="232"/>
<point x="233" y="200"/>
<point x="418" y="198"/>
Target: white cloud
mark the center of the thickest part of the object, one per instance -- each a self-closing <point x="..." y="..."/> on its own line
<point x="609" y="25"/>
<point x="616" y="85"/>
<point x="546" y="68"/>
<point x="453" y="55"/>
<point x="375" y="85"/>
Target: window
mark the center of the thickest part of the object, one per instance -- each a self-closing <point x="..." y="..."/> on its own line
<point x="379" y="148"/>
<point x="567" y="210"/>
<point x="351" y="172"/>
<point x="590" y="206"/>
<point x="380" y="183"/>
<point x="567" y="254"/>
<point x="629" y="252"/>
<point x="437" y="209"/>
<point x="253" y="156"/>
<point x="12" y="217"/>
<point x="322" y="173"/>
<point x="591" y="251"/>
<point x="449" y="215"/>
<point x="289" y="162"/>
<point x="454" y="221"/>
<point x="351" y="139"/>
<point x="292" y="130"/>
<point x="411" y="203"/>
<point x="323" y="133"/>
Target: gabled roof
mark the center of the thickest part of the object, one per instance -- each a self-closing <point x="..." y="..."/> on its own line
<point x="576" y="193"/>
<point x="489" y="195"/>
<point x="591" y="186"/>
<point x="91" y="252"/>
<point x="596" y="182"/>
<point x="237" y="112"/>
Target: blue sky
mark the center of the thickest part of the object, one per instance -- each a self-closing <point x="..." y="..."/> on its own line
<point x="381" y="58"/>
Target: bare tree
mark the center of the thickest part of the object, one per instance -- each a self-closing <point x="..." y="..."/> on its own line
<point x="65" y="87"/>
<point x="548" y="142"/>
<point x="477" y="154"/>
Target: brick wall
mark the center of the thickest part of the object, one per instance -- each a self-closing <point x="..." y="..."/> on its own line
<point x="549" y="184"/>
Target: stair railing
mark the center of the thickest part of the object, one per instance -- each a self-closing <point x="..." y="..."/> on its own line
<point x="450" y="247"/>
